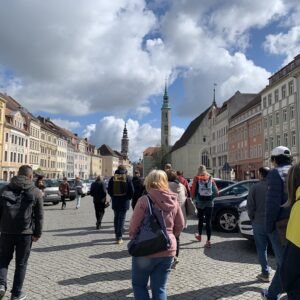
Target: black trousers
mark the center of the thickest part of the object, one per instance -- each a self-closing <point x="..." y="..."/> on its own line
<point x="63" y="200"/>
<point x="207" y="212"/>
<point x="99" y="211"/>
<point x="21" y="244"/>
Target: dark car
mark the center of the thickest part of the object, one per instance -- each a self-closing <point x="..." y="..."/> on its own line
<point x="226" y="205"/>
<point x="223" y="183"/>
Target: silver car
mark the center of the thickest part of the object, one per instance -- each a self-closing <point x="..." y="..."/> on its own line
<point x="51" y="191"/>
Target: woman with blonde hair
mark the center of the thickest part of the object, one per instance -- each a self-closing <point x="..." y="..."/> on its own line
<point x="204" y="189"/>
<point x="156" y="266"/>
<point x="290" y="271"/>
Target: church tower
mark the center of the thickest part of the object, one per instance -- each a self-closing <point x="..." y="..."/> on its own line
<point x="125" y="143"/>
<point x="165" y="123"/>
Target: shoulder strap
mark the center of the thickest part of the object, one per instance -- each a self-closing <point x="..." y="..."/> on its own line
<point x="150" y="203"/>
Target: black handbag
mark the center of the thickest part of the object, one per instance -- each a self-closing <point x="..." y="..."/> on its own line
<point x="152" y="236"/>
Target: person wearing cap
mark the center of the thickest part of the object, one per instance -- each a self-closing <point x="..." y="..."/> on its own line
<point x="256" y="213"/>
<point x="277" y="213"/>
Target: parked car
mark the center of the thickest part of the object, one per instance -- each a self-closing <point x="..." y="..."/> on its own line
<point x="223" y="183"/>
<point x="226" y="205"/>
<point x="88" y="183"/>
<point x="245" y="225"/>
<point x="225" y="212"/>
<point x="51" y="191"/>
<point x="71" y="182"/>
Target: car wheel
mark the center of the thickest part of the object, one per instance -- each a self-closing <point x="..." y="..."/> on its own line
<point x="55" y="202"/>
<point x="227" y="220"/>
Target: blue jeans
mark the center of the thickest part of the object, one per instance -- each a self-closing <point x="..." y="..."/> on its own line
<point x="275" y="288"/>
<point x="158" y="269"/>
<point x="21" y="243"/>
<point x="261" y="243"/>
<point x="119" y="221"/>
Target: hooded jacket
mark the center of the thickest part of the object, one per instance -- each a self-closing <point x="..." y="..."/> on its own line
<point x="21" y="207"/>
<point x="168" y="203"/>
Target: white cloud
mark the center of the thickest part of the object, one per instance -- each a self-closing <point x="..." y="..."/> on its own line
<point x="109" y="130"/>
<point x="70" y="125"/>
<point x="143" y="111"/>
<point x="89" y="130"/>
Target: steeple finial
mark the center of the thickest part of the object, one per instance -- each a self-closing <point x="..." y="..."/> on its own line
<point x="214" y="99"/>
<point x="166" y="97"/>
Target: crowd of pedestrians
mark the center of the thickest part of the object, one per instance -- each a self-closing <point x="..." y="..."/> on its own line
<point x="273" y="208"/>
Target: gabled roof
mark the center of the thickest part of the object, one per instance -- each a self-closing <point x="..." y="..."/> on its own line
<point x="252" y="103"/>
<point x="105" y="150"/>
<point x="189" y="132"/>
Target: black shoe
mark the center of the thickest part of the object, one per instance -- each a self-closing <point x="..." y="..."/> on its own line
<point x="22" y="296"/>
<point x="2" y="291"/>
<point x="98" y="225"/>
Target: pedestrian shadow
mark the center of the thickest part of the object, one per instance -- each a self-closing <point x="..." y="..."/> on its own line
<point x="74" y="246"/>
<point x="192" y="229"/>
<point x="89" y="230"/>
<point x="117" y="295"/>
<point x="70" y="229"/>
<point x="97" y="277"/>
<point x="218" y="291"/>
<point x="112" y="255"/>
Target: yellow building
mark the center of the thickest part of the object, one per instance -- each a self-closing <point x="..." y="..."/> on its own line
<point x="2" y="122"/>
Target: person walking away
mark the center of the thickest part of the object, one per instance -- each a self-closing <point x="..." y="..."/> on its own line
<point x="21" y="222"/>
<point x="121" y="190"/>
<point x="64" y="190"/>
<point x="78" y="191"/>
<point x="204" y="189"/>
<point x="290" y="272"/>
<point x="182" y="180"/>
<point x="176" y="187"/>
<point x="156" y="266"/>
<point x="256" y="212"/>
<point x="138" y="186"/>
<point x="276" y="213"/>
<point x="98" y="192"/>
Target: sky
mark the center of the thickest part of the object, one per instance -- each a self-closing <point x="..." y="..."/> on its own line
<point x="93" y="65"/>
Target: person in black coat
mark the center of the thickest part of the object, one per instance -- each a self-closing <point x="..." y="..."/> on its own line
<point x="98" y="192"/>
<point x="139" y="188"/>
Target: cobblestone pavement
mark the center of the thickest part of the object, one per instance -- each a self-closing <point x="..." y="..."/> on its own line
<point x="73" y="260"/>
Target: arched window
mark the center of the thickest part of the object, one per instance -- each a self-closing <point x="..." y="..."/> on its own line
<point x="205" y="158"/>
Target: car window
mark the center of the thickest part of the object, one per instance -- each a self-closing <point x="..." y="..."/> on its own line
<point x="51" y="183"/>
<point x="235" y="190"/>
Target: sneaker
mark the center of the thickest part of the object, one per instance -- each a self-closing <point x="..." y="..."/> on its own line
<point x="198" y="237"/>
<point x="22" y="296"/>
<point x="207" y="244"/>
<point x="174" y="263"/>
<point x="263" y="277"/>
<point x="119" y="241"/>
<point x="2" y="291"/>
<point x="264" y="294"/>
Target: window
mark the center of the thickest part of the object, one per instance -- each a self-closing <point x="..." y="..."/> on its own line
<point x="205" y="159"/>
<point x="293" y="137"/>
<point x="285" y="139"/>
<point x="270" y="120"/>
<point x="11" y="156"/>
<point x="284" y="115"/>
<point x="271" y="142"/>
<point x="270" y="99"/>
<point x="283" y="91"/>
<point x="278" y="140"/>
<point x="5" y="156"/>
<point x="12" y="138"/>
<point x="291" y="87"/>
<point x="6" y="137"/>
<point x="265" y="122"/>
<point x="264" y="102"/>
<point x="276" y="95"/>
<point x="277" y="118"/>
<point x="15" y="156"/>
<point x="292" y="112"/>
<point x="266" y="144"/>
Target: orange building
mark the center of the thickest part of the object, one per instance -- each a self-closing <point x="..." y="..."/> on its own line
<point x="245" y="140"/>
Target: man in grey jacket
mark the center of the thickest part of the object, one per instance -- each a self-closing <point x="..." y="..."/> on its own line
<point x="21" y="221"/>
<point x="256" y="211"/>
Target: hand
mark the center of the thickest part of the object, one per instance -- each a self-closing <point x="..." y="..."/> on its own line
<point x="35" y="238"/>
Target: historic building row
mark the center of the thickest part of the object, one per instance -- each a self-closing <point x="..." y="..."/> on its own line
<point x="48" y="148"/>
<point x="234" y="140"/>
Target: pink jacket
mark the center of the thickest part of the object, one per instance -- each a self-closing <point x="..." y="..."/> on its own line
<point x="167" y="202"/>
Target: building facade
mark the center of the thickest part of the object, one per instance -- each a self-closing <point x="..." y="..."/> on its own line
<point x="2" y="122"/>
<point x="34" y="143"/>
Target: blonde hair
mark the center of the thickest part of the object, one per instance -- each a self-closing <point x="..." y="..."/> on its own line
<point x="293" y="182"/>
<point x="157" y="179"/>
<point x="202" y="170"/>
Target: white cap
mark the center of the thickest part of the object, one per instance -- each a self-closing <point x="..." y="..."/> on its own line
<point x="281" y="150"/>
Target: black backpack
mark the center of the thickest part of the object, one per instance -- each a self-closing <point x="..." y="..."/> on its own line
<point x="17" y="210"/>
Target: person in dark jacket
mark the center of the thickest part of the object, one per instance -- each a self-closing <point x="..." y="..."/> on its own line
<point x="21" y="222"/>
<point x="98" y="192"/>
<point x="121" y="190"/>
<point x="290" y="271"/>
<point x="276" y="212"/>
<point x="256" y="212"/>
<point x="138" y="186"/>
<point x="64" y="190"/>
